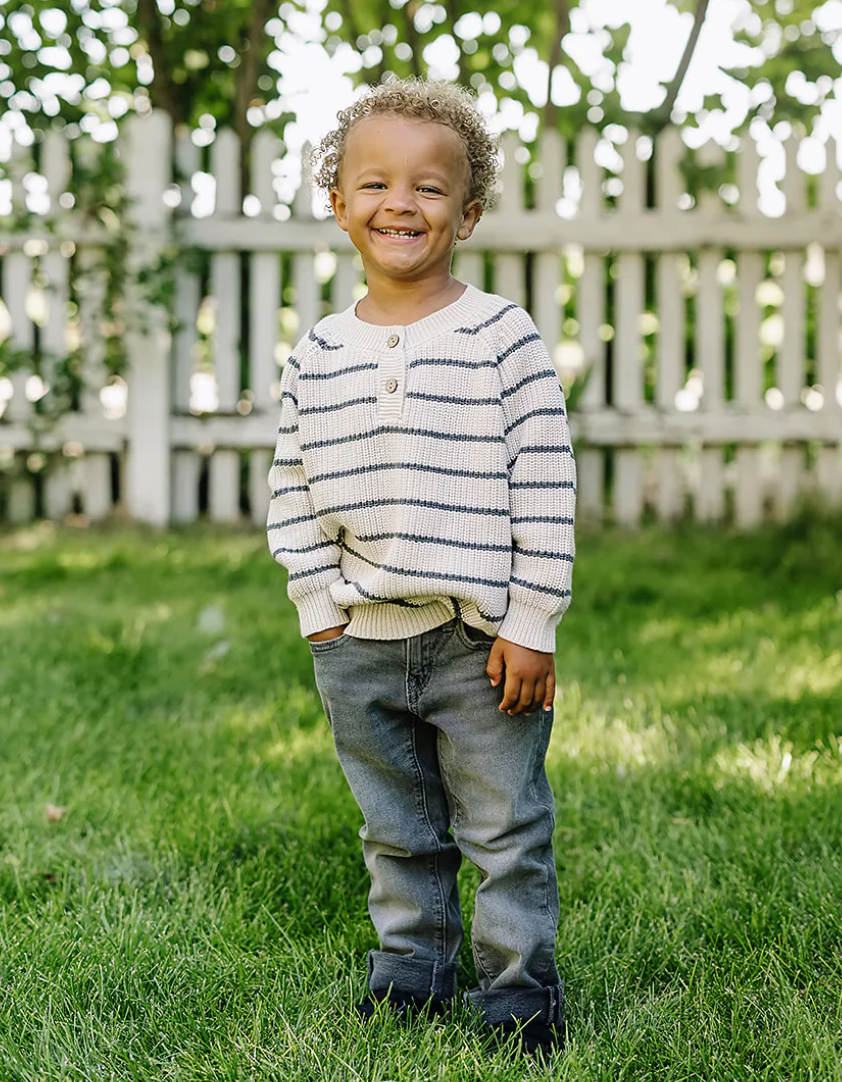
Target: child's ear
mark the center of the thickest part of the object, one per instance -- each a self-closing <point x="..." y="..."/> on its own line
<point x="337" y="202"/>
<point x="471" y="214"/>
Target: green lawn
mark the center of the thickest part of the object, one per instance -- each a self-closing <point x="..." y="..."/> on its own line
<point x="198" y="911"/>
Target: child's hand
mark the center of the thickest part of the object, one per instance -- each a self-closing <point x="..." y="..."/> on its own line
<point x="530" y="677"/>
<point x="328" y="633"/>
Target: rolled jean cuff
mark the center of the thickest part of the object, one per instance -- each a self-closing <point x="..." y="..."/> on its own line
<point x="544" y="1004"/>
<point x="410" y="976"/>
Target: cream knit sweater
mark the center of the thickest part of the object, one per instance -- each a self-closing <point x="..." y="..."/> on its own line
<point x="423" y="472"/>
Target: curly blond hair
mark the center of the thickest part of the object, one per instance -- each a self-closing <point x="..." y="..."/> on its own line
<point x="417" y="99"/>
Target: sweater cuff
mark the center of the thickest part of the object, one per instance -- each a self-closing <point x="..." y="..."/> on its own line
<point x="529" y="627"/>
<point x="318" y="612"/>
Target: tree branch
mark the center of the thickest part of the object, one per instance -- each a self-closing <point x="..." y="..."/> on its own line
<point x="664" y="113"/>
<point x="562" y="29"/>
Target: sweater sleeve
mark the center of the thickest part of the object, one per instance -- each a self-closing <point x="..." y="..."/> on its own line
<point x="296" y="539"/>
<point x="542" y="486"/>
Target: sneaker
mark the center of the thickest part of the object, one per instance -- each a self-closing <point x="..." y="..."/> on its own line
<point x="402" y="1007"/>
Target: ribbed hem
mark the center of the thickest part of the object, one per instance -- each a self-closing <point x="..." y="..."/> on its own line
<point x="396" y="621"/>
<point x="544" y="1004"/>
<point x="410" y="976"/>
<point x="318" y="612"/>
<point x="529" y="627"/>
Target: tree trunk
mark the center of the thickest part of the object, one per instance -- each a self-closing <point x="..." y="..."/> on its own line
<point x="246" y="85"/>
<point x="562" y="29"/>
<point x="162" y="92"/>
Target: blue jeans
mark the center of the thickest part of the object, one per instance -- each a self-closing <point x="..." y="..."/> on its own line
<point x="427" y="752"/>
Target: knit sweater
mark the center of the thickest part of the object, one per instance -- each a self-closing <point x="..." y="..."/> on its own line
<point x="424" y="472"/>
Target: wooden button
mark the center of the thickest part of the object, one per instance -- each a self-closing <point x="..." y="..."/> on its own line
<point x="391" y="386"/>
<point x="393" y="340"/>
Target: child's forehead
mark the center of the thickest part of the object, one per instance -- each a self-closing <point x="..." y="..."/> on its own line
<point x="381" y="132"/>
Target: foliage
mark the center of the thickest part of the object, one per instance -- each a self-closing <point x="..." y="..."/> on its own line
<point x="197" y="909"/>
<point x="220" y="61"/>
<point x="797" y="65"/>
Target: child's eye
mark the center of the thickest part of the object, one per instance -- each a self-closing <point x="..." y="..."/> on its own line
<point x="428" y="188"/>
<point x="373" y="184"/>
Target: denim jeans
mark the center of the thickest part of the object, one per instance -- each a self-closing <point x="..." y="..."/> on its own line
<point x="438" y="771"/>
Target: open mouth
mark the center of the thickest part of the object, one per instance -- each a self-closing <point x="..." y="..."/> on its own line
<point x="403" y="234"/>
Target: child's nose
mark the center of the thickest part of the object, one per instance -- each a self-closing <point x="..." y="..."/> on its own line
<point x="400" y="199"/>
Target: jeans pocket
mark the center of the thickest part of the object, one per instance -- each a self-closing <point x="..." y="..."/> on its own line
<point x="326" y="646"/>
<point x="473" y="638"/>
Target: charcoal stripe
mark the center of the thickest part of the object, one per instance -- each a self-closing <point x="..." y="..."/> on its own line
<point x="546" y="373"/>
<point x="416" y="467"/>
<point x="290" y="522"/>
<point x="540" y="589"/>
<point x="287" y="462"/>
<point x="311" y="571"/>
<point x="290" y="396"/>
<point x="546" y="448"/>
<point x="453" y="399"/>
<point x="566" y="556"/>
<point x="322" y="344"/>
<point x="481" y="326"/>
<point x="450" y="362"/>
<point x="383" y="429"/>
<point x="293" y="363"/>
<point x="421" y="539"/>
<point x="366" y="400"/>
<point x="443" y="577"/>
<point x="286" y="491"/>
<point x="541" y="484"/>
<point x="503" y="512"/>
<point x="339" y="372"/>
<point x="560" y="520"/>
<point x="309" y="548"/>
<point x="544" y="411"/>
<point x="519" y="344"/>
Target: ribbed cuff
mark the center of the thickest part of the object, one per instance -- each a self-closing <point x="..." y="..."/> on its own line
<point x="529" y="627"/>
<point x="318" y="612"/>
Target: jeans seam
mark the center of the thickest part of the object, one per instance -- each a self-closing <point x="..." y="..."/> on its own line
<point x="442" y="914"/>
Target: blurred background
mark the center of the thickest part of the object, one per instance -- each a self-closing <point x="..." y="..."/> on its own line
<point x="669" y="213"/>
<point x="181" y="890"/>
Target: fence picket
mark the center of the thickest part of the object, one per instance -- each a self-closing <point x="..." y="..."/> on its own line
<point x="829" y="376"/>
<point x="669" y="494"/>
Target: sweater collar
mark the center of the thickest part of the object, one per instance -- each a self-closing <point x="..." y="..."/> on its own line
<point x="355" y="332"/>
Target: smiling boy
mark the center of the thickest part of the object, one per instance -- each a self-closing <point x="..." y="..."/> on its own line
<point x="423" y="492"/>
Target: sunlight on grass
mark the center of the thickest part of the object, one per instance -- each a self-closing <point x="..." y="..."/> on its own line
<point x="199" y="909"/>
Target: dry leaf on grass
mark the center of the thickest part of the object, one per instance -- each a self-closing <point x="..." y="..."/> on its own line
<point x="54" y="812"/>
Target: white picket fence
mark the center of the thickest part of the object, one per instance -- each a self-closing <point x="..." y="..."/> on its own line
<point x="742" y="421"/>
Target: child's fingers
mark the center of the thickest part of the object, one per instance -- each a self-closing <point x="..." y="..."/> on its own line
<point x="511" y="692"/>
<point x="524" y="699"/>
<point x="494" y="666"/>
<point x="538" y="693"/>
<point x="549" y="695"/>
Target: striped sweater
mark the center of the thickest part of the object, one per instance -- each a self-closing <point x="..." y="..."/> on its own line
<point x="423" y="472"/>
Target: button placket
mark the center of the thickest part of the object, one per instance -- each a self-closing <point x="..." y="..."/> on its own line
<point x="392" y="377"/>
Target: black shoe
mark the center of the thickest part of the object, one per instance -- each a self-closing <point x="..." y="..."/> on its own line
<point x="532" y="1038"/>
<point x="402" y="1007"/>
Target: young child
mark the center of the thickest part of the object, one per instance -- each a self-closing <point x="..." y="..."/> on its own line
<point x="423" y="492"/>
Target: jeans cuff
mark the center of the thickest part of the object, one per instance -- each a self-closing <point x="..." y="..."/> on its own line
<point x="410" y="976"/>
<point x="544" y="1004"/>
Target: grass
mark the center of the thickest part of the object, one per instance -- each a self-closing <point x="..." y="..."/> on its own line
<point x="198" y="910"/>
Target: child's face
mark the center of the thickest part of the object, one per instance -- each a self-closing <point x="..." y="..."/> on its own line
<point x="402" y="196"/>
